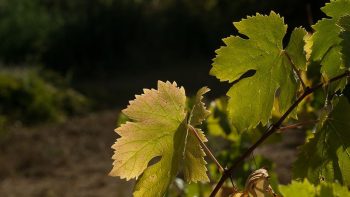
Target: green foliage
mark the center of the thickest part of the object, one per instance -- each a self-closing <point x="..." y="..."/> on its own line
<point x="344" y="23"/>
<point x="266" y="90"/>
<point x="230" y="144"/>
<point x="326" y="48"/>
<point x="326" y="156"/>
<point x="218" y="123"/>
<point x="264" y="53"/>
<point x="306" y="189"/>
<point x="160" y="129"/>
<point x="296" y="48"/>
<point x="199" y="112"/>
<point x="28" y="97"/>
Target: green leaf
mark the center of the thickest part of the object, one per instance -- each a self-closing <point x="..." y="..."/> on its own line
<point x="194" y="163"/>
<point x="159" y="129"/>
<point x="302" y="189"/>
<point x="332" y="190"/>
<point x="251" y="99"/>
<point x="337" y="8"/>
<point x="326" y="31"/>
<point x="326" y="41"/>
<point x="217" y="123"/>
<point x="199" y="111"/>
<point x="327" y="155"/>
<point x="306" y="189"/>
<point x="344" y="23"/>
<point x="295" y="48"/>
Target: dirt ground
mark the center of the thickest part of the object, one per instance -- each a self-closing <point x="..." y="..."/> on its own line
<point x="73" y="159"/>
<point x="70" y="159"/>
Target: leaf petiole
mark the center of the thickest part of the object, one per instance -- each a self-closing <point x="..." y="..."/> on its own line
<point x="206" y="149"/>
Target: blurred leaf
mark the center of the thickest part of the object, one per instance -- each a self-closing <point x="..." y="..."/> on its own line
<point x="333" y="190"/>
<point x="326" y="156"/>
<point x="28" y="96"/>
<point x="198" y="189"/>
<point x="217" y="123"/>
<point x="306" y="189"/>
<point x="302" y="189"/>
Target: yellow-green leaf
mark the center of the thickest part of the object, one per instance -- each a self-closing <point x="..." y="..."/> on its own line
<point x="159" y="129"/>
<point x="199" y="112"/>
<point x="306" y="189"/>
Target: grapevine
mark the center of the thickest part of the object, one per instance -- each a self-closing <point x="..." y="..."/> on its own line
<point x="165" y="134"/>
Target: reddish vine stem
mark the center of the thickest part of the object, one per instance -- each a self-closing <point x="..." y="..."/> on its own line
<point x="206" y="149"/>
<point x="296" y="125"/>
<point x="272" y="129"/>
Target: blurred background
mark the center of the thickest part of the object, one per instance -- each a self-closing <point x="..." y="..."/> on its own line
<point x="68" y="67"/>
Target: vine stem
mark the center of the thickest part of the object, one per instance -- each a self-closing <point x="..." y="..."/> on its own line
<point x="272" y="129"/>
<point x="206" y="149"/>
<point x="297" y="125"/>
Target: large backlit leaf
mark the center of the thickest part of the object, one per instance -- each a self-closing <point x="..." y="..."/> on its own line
<point x="159" y="130"/>
<point x="251" y="99"/>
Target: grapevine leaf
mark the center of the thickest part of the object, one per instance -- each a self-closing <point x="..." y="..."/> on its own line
<point x="326" y="31"/>
<point x="326" y="41"/>
<point x="332" y="189"/>
<point x="251" y="99"/>
<point x="158" y="130"/>
<point x="218" y="123"/>
<point x="344" y="23"/>
<point x="194" y="163"/>
<point x="303" y="189"/>
<point x="308" y="46"/>
<point x="295" y="48"/>
<point x="306" y="189"/>
<point x="327" y="155"/>
<point x="199" y="111"/>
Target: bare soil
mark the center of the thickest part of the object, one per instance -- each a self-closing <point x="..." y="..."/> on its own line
<point x="69" y="159"/>
<point x="73" y="159"/>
